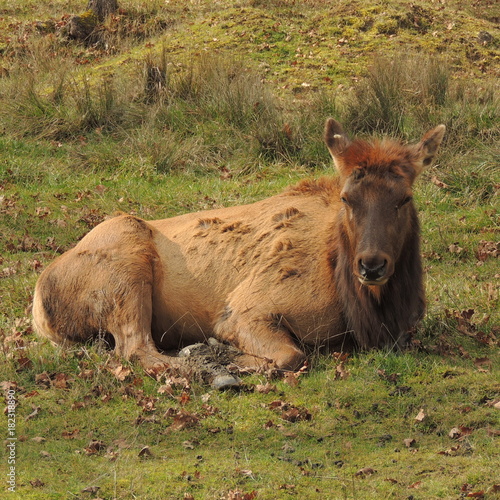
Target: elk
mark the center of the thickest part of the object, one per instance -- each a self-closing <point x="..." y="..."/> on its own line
<point x="330" y="262"/>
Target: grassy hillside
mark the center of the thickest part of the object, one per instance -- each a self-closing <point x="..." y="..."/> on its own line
<point x="236" y="114"/>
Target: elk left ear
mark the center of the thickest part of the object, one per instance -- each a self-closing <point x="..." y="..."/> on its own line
<point x="428" y="146"/>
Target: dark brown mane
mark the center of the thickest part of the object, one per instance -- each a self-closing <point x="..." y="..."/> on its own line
<point x="379" y="315"/>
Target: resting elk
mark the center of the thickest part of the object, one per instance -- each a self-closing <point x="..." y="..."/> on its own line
<point x="334" y="262"/>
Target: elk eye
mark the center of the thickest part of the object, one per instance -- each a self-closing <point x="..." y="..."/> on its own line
<point x="343" y="199"/>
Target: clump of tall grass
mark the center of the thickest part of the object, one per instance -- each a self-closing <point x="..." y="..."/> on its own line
<point x="214" y="112"/>
<point x="407" y="94"/>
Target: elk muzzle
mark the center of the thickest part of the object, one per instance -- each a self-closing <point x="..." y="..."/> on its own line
<point x="373" y="268"/>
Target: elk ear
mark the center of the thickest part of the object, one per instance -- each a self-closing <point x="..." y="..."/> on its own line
<point x="335" y="139"/>
<point x="428" y="146"/>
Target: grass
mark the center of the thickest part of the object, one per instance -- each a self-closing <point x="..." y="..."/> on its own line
<point x="238" y="116"/>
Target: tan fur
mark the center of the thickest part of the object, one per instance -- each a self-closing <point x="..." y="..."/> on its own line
<point x="259" y="276"/>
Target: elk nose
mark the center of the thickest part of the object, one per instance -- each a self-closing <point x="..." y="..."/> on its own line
<point x="372" y="268"/>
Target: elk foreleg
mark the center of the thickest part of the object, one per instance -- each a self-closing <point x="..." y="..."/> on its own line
<point x="263" y="344"/>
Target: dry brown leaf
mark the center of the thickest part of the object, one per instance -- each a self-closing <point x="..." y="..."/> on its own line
<point x="61" y="381"/>
<point x="455" y="248"/>
<point x="34" y="413"/>
<point x="95" y="446"/>
<point x="43" y="379"/>
<point x="451" y="451"/>
<point x="409" y="442"/>
<point x="70" y="434"/>
<point x="438" y="183"/>
<point x="365" y="471"/>
<point x="291" y="379"/>
<point x="341" y="372"/>
<point x="265" y="388"/>
<point x="183" y="420"/>
<point x="86" y="374"/>
<point x="420" y="416"/>
<point x="296" y="414"/>
<point x="119" y="371"/>
<point x="145" y="453"/>
<point x="487" y="249"/>
<point x="287" y="487"/>
<point x="91" y="489"/>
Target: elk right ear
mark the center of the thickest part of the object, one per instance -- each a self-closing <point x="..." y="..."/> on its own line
<point x="336" y="140"/>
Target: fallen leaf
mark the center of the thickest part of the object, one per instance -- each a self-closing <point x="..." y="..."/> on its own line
<point x="409" y="442"/>
<point x="34" y="413"/>
<point x="86" y="374"/>
<point x="183" y="420"/>
<point x="61" y="381"/>
<point x="450" y="452"/>
<point x="91" y="489"/>
<point x="416" y="485"/>
<point x="482" y="362"/>
<point x="421" y="415"/>
<point x="291" y="379"/>
<point x="43" y="379"/>
<point x="244" y="472"/>
<point x="296" y="414"/>
<point x="95" y="446"/>
<point x="147" y="403"/>
<point x="487" y="249"/>
<point x="239" y="495"/>
<point x="118" y="370"/>
<point x="145" y="453"/>
<point x="38" y="439"/>
<point x="455" y="248"/>
<point x="341" y="372"/>
<point x="166" y="389"/>
<point x="24" y="363"/>
<point x="265" y="388"/>
<point x="438" y="183"/>
<point x="184" y="398"/>
<point x="475" y="494"/>
<point x="37" y="483"/>
<point x="70" y="434"/>
<point x="366" y="471"/>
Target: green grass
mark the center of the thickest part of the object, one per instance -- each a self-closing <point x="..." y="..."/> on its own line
<point x="241" y="443"/>
<point x="247" y="89"/>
